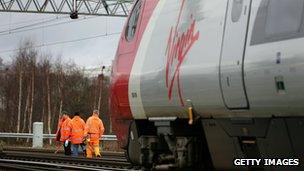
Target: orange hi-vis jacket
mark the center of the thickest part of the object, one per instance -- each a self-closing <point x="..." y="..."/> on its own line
<point x="58" y="132"/>
<point x="65" y="130"/>
<point x="94" y="128"/>
<point x="76" y="128"/>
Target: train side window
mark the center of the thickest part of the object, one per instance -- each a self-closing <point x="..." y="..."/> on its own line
<point x="133" y="21"/>
<point x="236" y="12"/>
<point x="278" y="20"/>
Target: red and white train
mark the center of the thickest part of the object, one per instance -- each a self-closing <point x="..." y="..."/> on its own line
<point x="198" y="83"/>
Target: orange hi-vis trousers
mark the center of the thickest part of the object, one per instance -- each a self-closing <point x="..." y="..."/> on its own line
<point x="93" y="147"/>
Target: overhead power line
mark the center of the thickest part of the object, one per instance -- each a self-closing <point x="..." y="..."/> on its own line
<point x="67" y="41"/>
<point x="25" y="21"/>
<point x="10" y="31"/>
<point x="31" y="25"/>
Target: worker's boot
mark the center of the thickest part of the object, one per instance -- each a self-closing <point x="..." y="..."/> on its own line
<point x="97" y="152"/>
<point x="1" y="149"/>
<point x="84" y="152"/>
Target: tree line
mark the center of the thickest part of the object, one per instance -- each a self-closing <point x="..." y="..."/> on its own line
<point x="36" y="87"/>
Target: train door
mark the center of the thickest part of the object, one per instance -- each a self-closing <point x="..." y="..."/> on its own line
<point x="232" y="56"/>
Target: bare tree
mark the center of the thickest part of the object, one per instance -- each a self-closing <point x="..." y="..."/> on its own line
<point x="94" y="92"/>
<point x="38" y="91"/>
<point x="60" y="79"/>
<point x="100" y="78"/>
<point x="47" y="68"/>
<point x="33" y="66"/>
<point x="27" y="103"/>
<point x="20" y="67"/>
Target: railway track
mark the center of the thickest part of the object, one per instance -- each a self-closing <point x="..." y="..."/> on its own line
<point x="35" y="159"/>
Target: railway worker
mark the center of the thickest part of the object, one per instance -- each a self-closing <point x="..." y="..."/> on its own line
<point x="76" y="130"/>
<point x="65" y="132"/>
<point x="94" y="131"/>
<point x="62" y="134"/>
<point x="60" y="121"/>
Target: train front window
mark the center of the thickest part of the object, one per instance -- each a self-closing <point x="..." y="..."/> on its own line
<point x="133" y="21"/>
<point x="284" y="16"/>
<point x="278" y="20"/>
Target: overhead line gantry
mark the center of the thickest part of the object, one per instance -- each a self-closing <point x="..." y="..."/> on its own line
<point x="115" y="8"/>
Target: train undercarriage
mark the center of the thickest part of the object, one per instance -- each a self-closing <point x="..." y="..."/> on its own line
<point x="213" y="144"/>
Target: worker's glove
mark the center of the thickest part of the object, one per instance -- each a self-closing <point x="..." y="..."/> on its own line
<point x="86" y="140"/>
<point x="66" y="143"/>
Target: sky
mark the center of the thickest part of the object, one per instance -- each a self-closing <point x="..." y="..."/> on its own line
<point x="90" y="41"/>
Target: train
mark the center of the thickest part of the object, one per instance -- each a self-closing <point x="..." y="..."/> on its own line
<point x="197" y="84"/>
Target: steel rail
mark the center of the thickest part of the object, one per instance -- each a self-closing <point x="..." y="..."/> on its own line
<point x="103" y="161"/>
<point x="54" y="166"/>
<point x="48" y="136"/>
<point x="52" y="151"/>
<point x="32" y="161"/>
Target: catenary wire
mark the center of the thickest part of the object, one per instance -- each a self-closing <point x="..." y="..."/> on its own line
<point x="64" y="42"/>
<point x="50" y="25"/>
<point x="29" y="21"/>
<point x="30" y="25"/>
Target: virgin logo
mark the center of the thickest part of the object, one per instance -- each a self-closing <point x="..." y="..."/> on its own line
<point x="179" y="44"/>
